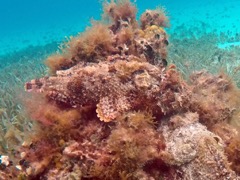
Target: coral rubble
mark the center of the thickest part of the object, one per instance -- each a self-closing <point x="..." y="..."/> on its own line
<point x="113" y="109"/>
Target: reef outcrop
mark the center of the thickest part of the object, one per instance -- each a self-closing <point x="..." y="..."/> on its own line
<point x="113" y="109"/>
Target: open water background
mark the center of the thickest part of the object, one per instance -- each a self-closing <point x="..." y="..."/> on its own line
<point x="29" y="23"/>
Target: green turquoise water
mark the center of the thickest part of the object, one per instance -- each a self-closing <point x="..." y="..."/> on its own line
<point x="30" y="23"/>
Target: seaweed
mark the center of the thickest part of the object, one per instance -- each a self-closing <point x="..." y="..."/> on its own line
<point x="112" y="108"/>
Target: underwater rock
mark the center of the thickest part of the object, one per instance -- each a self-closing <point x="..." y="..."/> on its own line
<point x="122" y="36"/>
<point x="230" y="136"/>
<point x="154" y="17"/>
<point x="214" y="98"/>
<point x="197" y="152"/>
<point x="111" y="108"/>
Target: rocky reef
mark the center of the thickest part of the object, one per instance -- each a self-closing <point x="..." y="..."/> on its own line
<point x="112" y="108"/>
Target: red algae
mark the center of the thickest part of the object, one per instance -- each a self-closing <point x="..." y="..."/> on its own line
<point x="113" y="109"/>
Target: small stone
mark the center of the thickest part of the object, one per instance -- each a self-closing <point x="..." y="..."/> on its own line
<point x="4" y="160"/>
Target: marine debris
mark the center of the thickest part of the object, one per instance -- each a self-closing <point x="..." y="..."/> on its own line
<point x="113" y="109"/>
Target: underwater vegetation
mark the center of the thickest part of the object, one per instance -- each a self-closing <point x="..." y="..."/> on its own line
<point x="15" y="122"/>
<point x="114" y="106"/>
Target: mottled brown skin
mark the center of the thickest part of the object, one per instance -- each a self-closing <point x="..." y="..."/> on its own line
<point x="116" y="87"/>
